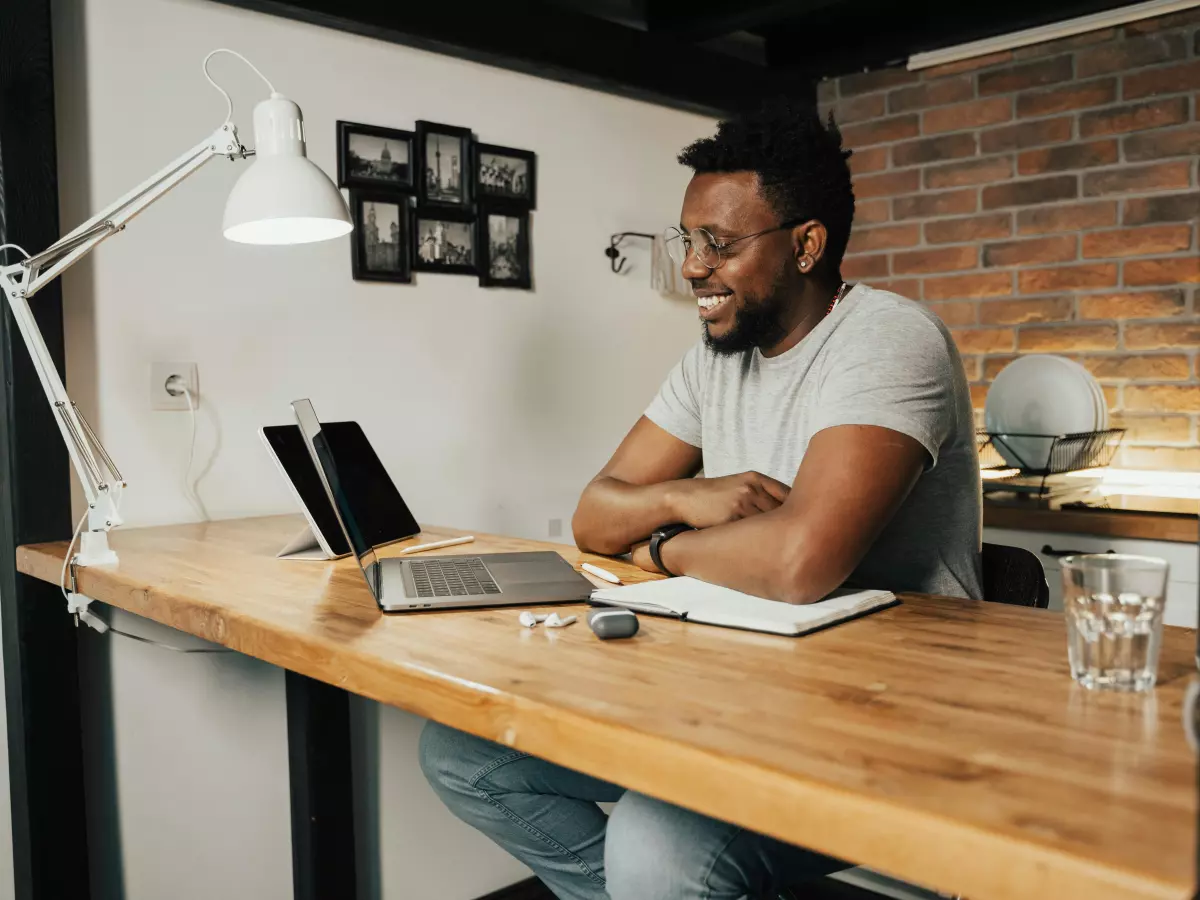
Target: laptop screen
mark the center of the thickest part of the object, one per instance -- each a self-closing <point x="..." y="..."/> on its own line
<point x="353" y="526"/>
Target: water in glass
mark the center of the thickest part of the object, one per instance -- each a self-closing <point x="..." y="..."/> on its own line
<point x="1114" y="608"/>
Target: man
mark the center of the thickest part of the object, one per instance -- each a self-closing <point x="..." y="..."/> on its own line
<point x="834" y="430"/>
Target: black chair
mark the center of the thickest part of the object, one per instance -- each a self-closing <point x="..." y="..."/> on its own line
<point x="1015" y="576"/>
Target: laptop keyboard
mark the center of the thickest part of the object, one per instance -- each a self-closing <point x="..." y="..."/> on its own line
<point x="464" y="576"/>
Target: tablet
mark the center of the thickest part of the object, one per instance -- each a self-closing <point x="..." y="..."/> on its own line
<point x="385" y="516"/>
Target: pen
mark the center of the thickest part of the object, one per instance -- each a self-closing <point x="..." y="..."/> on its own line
<point x="437" y="545"/>
<point x="601" y="573"/>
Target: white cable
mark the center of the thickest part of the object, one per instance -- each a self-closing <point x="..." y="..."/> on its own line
<point x="190" y="489"/>
<point x="228" y="99"/>
<point x="62" y="578"/>
<point x="16" y="247"/>
<point x="162" y="646"/>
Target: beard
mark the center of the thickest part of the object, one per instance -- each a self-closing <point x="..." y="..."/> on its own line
<point x="756" y="323"/>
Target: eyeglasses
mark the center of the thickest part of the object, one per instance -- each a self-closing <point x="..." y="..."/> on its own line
<point x="706" y="247"/>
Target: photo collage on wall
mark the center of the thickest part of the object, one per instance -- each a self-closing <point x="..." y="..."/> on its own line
<point x="472" y="204"/>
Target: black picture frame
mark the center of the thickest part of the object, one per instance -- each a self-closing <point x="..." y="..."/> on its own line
<point x="497" y="193"/>
<point x="441" y="182"/>
<point x="513" y="268"/>
<point x="427" y="242"/>
<point x="355" y="170"/>
<point x="370" y="258"/>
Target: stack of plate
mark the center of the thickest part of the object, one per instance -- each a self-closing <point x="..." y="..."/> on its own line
<point x="1041" y="395"/>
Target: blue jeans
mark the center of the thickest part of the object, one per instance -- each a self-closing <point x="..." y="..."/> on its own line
<point x="547" y="817"/>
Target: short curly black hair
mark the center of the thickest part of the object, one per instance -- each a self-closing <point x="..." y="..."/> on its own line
<point x="799" y="160"/>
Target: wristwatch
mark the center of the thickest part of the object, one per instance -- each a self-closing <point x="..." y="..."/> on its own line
<point x="660" y="536"/>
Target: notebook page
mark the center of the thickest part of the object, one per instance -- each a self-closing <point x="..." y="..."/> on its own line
<point x="785" y="618"/>
<point x="716" y="605"/>
<point x="670" y="596"/>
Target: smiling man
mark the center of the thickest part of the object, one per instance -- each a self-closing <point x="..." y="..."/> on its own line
<point x="832" y="422"/>
<point x="832" y="427"/>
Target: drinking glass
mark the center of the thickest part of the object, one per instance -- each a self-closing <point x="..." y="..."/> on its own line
<point x="1114" y="608"/>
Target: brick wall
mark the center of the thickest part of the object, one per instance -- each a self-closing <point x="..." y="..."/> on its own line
<point x="1046" y="200"/>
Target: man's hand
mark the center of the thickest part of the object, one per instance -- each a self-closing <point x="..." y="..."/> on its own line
<point x="640" y="557"/>
<point x="705" y="502"/>
<point x="628" y="499"/>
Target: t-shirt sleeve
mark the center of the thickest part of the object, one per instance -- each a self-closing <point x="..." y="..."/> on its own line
<point x="898" y="373"/>
<point x="676" y="408"/>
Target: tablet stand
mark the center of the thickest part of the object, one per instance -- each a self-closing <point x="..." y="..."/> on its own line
<point x="304" y="546"/>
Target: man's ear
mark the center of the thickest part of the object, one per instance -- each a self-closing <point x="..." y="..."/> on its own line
<point x="808" y="245"/>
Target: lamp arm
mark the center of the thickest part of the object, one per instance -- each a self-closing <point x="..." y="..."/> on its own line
<point x="97" y="471"/>
<point x="44" y="267"/>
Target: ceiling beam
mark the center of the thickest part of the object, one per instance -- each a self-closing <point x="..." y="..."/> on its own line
<point x="886" y="33"/>
<point x="701" y="20"/>
<point x="547" y="41"/>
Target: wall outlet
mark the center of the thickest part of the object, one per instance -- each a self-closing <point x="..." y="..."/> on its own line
<point x="163" y="372"/>
<point x="555" y="528"/>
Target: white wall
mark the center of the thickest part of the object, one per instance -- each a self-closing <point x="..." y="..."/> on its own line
<point x="491" y="408"/>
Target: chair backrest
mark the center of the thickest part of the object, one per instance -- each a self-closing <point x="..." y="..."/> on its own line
<point x="1014" y="575"/>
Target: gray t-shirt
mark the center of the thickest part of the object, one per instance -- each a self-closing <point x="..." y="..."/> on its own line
<point x="877" y="359"/>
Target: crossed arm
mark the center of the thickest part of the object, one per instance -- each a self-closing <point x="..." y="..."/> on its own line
<point x="754" y="534"/>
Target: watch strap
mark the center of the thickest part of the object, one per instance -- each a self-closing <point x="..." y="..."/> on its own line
<point x="660" y="537"/>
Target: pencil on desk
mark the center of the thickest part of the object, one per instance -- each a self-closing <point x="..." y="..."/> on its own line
<point x="437" y="545"/>
<point x="600" y="573"/>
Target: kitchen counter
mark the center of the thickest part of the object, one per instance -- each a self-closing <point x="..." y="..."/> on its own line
<point x="1127" y="516"/>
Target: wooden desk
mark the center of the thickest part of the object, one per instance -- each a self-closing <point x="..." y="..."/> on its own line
<point x="939" y="741"/>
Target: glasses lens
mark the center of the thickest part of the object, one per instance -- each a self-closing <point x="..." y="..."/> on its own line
<point x="705" y="247"/>
<point x="677" y="244"/>
<point x="699" y="241"/>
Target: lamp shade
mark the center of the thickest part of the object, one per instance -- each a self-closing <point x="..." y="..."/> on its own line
<point x="283" y="198"/>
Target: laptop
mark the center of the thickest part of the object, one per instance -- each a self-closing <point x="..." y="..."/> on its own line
<point x="401" y="584"/>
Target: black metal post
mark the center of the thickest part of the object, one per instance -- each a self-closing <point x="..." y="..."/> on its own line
<point x="41" y="681"/>
<point x="319" y="766"/>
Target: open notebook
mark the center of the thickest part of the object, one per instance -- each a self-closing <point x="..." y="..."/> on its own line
<point x="697" y="601"/>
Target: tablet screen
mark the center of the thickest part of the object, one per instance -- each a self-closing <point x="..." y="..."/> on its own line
<point x="379" y="509"/>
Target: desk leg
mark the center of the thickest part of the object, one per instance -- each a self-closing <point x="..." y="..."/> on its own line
<point x="318" y="717"/>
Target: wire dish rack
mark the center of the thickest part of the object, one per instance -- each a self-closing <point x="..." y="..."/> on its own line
<point x="1039" y="456"/>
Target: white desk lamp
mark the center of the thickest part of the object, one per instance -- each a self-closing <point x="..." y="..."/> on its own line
<point x="283" y="198"/>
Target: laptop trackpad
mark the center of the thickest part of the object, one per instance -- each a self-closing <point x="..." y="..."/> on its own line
<point x="526" y="572"/>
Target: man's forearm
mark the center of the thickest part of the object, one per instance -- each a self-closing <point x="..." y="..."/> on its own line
<point x="766" y="555"/>
<point x="613" y="515"/>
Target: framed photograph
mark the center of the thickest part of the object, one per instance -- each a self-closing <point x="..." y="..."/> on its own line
<point x="381" y="241"/>
<point x="372" y="157"/>
<point x="443" y="157"/>
<point x="444" y="241"/>
<point x="503" y="241"/>
<point x="505" y="175"/>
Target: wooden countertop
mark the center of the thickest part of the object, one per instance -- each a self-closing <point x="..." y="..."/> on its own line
<point x="940" y="741"/>
<point x="1151" y="525"/>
